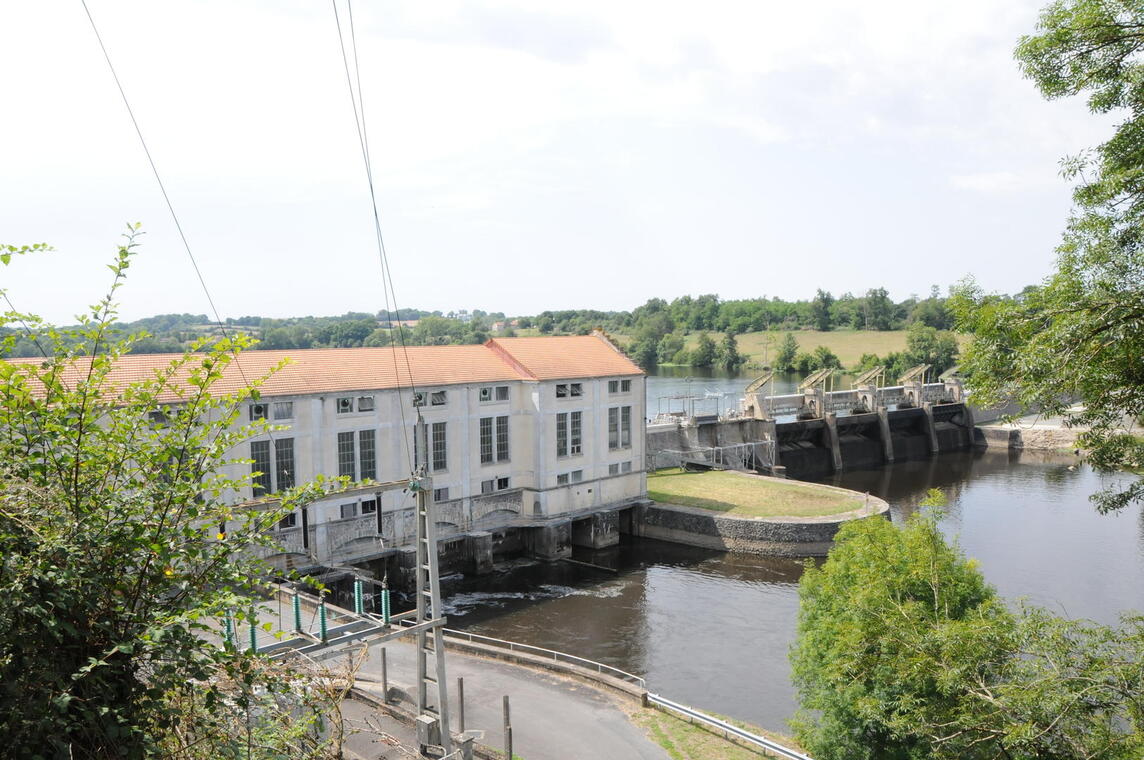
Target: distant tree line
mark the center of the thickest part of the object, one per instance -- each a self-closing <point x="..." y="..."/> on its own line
<point x="658" y="332"/>
<point x="174" y="333"/>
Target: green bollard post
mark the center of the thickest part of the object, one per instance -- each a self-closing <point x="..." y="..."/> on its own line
<point x="253" y="633"/>
<point x="297" y="612"/>
<point x="385" y="603"/>
<point x="228" y="629"/>
<point x="322" y="616"/>
<point x="359" y="607"/>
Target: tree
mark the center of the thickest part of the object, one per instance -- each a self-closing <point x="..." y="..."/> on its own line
<point x="904" y="651"/>
<point x="669" y="346"/>
<point x="788" y="349"/>
<point x="925" y="345"/>
<point x="824" y="358"/>
<point x="728" y="356"/>
<point x="879" y="310"/>
<point x="112" y="491"/>
<point x="821" y="310"/>
<point x="704" y="353"/>
<point x="1080" y="336"/>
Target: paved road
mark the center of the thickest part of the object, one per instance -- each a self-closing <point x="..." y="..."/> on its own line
<point x="553" y="718"/>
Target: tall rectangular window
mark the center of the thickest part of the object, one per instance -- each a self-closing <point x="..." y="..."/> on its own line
<point x="486" y="429"/>
<point x="284" y="463"/>
<point x="260" y="467"/>
<point x="346" y="456"/>
<point x="367" y="454"/>
<point x="614" y="427"/>
<point x="440" y="447"/>
<point x="574" y="437"/>
<point x="502" y="438"/>
<point x="625" y="427"/>
<point x="562" y="434"/>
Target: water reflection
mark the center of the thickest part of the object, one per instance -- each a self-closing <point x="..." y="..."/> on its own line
<point x="1027" y="518"/>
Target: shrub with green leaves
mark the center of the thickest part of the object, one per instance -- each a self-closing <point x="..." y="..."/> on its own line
<point x="904" y="651"/>
<point x="114" y="572"/>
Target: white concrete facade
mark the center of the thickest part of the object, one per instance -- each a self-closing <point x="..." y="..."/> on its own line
<point x="546" y="474"/>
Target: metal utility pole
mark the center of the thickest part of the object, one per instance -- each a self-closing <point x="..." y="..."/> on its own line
<point x="430" y="621"/>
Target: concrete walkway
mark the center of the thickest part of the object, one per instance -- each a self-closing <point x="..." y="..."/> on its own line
<point x="553" y="717"/>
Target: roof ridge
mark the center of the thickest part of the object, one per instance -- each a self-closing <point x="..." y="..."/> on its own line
<point x="504" y="355"/>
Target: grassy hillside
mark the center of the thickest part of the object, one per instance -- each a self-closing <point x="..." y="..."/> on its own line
<point x="849" y="345"/>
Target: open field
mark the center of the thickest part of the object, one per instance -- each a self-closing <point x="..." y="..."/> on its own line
<point x="849" y="345"/>
<point x="743" y="496"/>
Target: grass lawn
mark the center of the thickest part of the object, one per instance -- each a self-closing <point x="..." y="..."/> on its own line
<point x="848" y="345"/>
<point x="742" y="496"/>
<point x="687" y="741"/>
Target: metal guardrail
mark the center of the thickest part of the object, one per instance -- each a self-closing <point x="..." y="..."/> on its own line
<point x="552" y="654"/>
<point x="762" y="742"/>
<point x="691" y="713"/>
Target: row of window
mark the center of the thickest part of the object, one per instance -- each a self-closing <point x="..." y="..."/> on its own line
<point x="357" y="450"/>
<point x="492" y="485"/>
<point x="576" y="476"/>
<point x="284" y="410"/>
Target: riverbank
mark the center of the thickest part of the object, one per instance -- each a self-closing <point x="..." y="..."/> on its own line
<point x="757" y="528"/>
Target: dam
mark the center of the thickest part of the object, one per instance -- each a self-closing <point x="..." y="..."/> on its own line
<point x="818" y="431"/>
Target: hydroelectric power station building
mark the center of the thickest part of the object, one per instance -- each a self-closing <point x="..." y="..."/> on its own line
<point x="524" y="434"/>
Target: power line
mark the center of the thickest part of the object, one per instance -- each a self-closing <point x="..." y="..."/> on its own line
<point x="167" y="200"/>
<point x="387" y="288"/>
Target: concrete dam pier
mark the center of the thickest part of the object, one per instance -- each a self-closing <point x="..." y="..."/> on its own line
<point x="820" y="431"/>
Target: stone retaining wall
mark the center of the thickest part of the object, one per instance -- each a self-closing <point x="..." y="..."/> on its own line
<point x="1029" y="439"/>
<point x="781" y="536"/>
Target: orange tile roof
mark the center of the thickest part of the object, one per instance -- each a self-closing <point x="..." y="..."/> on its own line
<point x="329" y="370"/>
<point x="557" y="357"/>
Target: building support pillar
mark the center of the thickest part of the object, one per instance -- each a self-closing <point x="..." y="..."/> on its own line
<point x="549" y="542"/>
<point x="931" y="432"/>
<point x="830" y="431"/>
<point x="884" y="430"/>
<point x="598" y="531"/>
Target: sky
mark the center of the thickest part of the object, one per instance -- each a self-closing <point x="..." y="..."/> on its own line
<point x="526" y="155"/>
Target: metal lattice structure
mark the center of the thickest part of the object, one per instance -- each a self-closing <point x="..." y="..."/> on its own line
<point x="430" y="622"/>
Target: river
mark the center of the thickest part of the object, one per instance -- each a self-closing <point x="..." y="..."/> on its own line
<point x="714" y="629"/>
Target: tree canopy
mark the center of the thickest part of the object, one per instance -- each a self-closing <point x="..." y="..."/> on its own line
<point x="905" y="652"/>
<point x="1079" y="337"/>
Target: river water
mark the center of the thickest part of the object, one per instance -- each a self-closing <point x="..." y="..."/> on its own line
<point x="713" y="629"/>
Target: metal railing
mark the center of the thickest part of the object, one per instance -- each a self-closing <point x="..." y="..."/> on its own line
<point x="551" y="654"/>
<point x="728" y="729"/>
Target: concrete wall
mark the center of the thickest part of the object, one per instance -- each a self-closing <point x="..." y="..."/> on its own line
<point x="599" y="475"/>
<point x="794" y="537"/>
